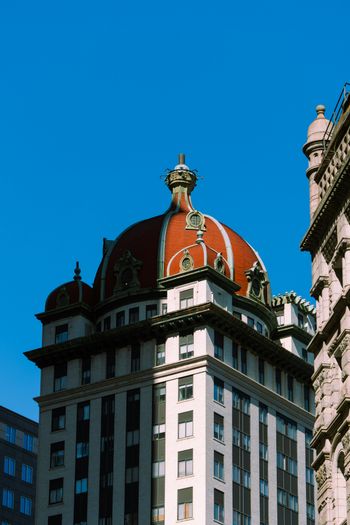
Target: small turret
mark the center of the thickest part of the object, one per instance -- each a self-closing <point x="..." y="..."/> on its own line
<point x="318" y="136"/>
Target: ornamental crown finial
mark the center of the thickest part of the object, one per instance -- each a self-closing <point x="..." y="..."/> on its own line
<point x="77" y="272"/>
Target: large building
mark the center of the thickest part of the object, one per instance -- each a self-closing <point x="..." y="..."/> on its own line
<point x="175" y="388"/>
<point x="18" y="454"/>
<point x="328" y="241"/>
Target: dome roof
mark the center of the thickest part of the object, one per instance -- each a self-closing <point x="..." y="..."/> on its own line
<point x="181" y="239"/>
<point x="69" y="294"/>
<point x="317" y="129"/>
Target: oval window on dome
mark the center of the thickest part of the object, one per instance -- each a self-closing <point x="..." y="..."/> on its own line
<point x="186" y="262"/>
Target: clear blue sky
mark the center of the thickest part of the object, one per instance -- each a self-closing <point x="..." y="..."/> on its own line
<point x="98" y="98"/>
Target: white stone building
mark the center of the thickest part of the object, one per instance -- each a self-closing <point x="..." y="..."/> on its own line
<point x="328" y="240"/>
<point x="175" y="389"/>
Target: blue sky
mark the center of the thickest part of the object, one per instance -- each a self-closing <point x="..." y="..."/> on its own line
<point x="98" y="98"/>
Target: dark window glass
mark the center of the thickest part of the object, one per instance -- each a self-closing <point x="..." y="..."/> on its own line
<point x="237" y="315"/>
<point x="56" y="491"/>
<point x="234" y="355"/>
<point x="251" y="322"/>
<point x="218" y="465"/>
<point x="218" y="345"/>
<point x="244" y="365"/>
<point x="120" y="319"/>
<point x="259" y="327"/>
<point x="60" y="377"/>
<point x="57" y="454"/>
<point x="261" y="371"/>
<point x="107" y="323"/>
<point x="218" y="390"/>
<point x="186" y="346"/>
<point x="134" y="315"/>
<point x="306" y="397"/>
<point x="278" y="379"/>
<point x="160" y="354"/>
<point x="84" y="411"/>
<point x="218" y="427"/>
<point x="219" y="514"/>
<point x="300" y="320"/>
<point x="290" y="388"/>
<point x="110" y="364"/>
<point x="185" y="388"/>
<point x="61" y="333"/>
<point x="85" y="370"/>
<point x="58" y="421"/>
<point x="151" y="310"/>
<point x="135" y="357"/>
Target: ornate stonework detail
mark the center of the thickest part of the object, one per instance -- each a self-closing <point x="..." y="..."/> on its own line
<point x="62" y="297"/>
<point x="323" y="473"/>
<point x="257" y="281"/>
<point x="126" y="272"/>
<point x="329" y="246"/>
<point x="327" y="394"/>
<point x="195" y="220"/>
<point x="219" y="263"/>
<point x="186" y="262"/>
<point x="346" y="442"/>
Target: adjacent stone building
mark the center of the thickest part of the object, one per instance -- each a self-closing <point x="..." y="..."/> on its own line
<point x="18" y="454"/>
<point x="175" y="388"/>
<point x="328" y="240"/>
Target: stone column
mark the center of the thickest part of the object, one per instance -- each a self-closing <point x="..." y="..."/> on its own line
<point x="324" y="493"/>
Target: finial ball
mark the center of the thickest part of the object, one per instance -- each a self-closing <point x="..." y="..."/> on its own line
<point x="320" y="110"/>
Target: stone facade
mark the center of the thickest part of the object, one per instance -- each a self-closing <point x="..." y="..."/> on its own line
<point x="328" y="240"/>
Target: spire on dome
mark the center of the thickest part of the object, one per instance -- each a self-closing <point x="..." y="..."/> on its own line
<point x="77" y="272"/>
<point x="181" y="178"/>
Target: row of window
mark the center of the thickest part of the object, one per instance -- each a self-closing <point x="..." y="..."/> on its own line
<point x="25" y="440"/>
<point x="56" y="489"/>
<point x="10" y="469"/>
<point x="8" y="501"/>
<point x="250" y="322"/>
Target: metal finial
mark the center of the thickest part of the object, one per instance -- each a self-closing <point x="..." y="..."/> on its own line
<point x="181" y="158"/>
<point x="77" y="272"/>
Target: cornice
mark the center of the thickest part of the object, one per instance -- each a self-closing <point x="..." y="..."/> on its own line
<point x="293" y="331"/>
<point x="206" y="272"/>
<point x="174" y="322"/>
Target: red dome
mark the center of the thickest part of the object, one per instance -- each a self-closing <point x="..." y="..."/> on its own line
<point x="169" y="244"/>
<point x="69" y="294"/>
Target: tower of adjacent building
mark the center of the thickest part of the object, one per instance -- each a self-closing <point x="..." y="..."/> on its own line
<point x="328" y="240"/>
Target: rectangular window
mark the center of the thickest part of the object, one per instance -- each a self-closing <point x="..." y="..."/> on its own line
<point x="184" y="504"/>
<point x="307" y="397"/>
<point x="158" y="431"/>
<point x="135" y="357"/>
<point x="110" y="364"/>
<point x="250" y="321"/>
<point x="56" y="491"/>
<point x="278" y="381"/>
<point x="264" y="488"/>
<point x="9" y="466"/>
<point x="261" y="371"/>
<point x="259" y="327"/>
<point x="218" y="465"/>
<point x="160" y="393"/>
<point x="60" y="377"/>
<point x="132" y="438"/>
<point x="186" y="346"/>
<point x="263" y="411"/>
<point x="10" y="434"/>
<point x="186" y="298"/>
<point x="28" y="442"/>
<point x="57" y="454"/>
<point x="218" y="427"/>
<point x="290" y="388"/>
<point x="131" y="474"/>
<point x="133" y="315"/>
<point x="219" y="387"/>
<point x="218" y="345"/>
<point x="151" y="310"/>
<point x="81" y="486"/>
<point x="185" y="387"/>
<point x="219" y="514"/>
<point x="8" y="498"/>
<point x="300" y="320"/>
<point x="287" y="427"/>
<point x="158" y="469"/>
<point x="263" y="451"/>
<point x="61" y="333"/>
<point x="106" y="323"/>
<point x="237" y="315"/>
<point x="185" y="463"/>
<point x="234" y="355"/>
<point x="160" y="354"/>
<point x="86" y="370"/>
<point x="84" y="411"/>
<point x="58" y="421"/>
<point x="244" y="364"/>
<point x="82" y="450"/>
<point x="185" y="424"/>
<point x="25" y="506"/>
<point x="158" y="515"/>
<point x="164" y="308"/>
<point x="27" y="473"/>
<point x="120" y="319"/>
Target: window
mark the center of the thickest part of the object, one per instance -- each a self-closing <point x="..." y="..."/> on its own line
<point x="55" y="520"/>
<point x="8" y="498"/>
<point x="240" y="519"/>
<point x="81" y="486"/>
<point x="309" y="475"/>
<point x="86" y="370"/>
<point x="58" y="421"/>
<point x="304" y="354"/>
<point x="135" y="357"/>
<point x="234" y="355"/>
<point x="57" y="454"/>
<point x="261" y="371"/>
<point x="306" y="397"/>
<point x="278" y="381"/>
<point x="56" y="491"/>
<point x="160" y="354"/>
<point x="250" y="321"/>
<point x="244" y="366"/>
<point x="184" y="504"/>
<point x="120" y="319"/>
<point x="25" y="506"/>
<point x="290" y="383"/>
<point x="159" y="431"/>
<point x="60" y="377"/>
<point x="84" y="411"/>
<point x="164" y="308"/>
<point x="310" y="511"/>
<point x="134" y="315"/>
<point x="106" y="323"/>
<point x="160" y="393"/>
<point x="263" y="411"/>
<point x="158" y="469"/>
<point x="132" y="438"/>
<point x="186" y="346"/>
<point x="218" y="345"/>
<point x="158" y="515"/>
<point x="82" y="449"/>
<point x="218" y="506"/>
<point x="286" y="427"/>
<point x="264" y="488"/>
<point x="259" y="327"/>
<point x="151" y="310"/>
<point x="28" y="442"/>
<point x="110" y="364"/>
<point x="280" y="320"/>
<point x="61" y="333"/>
<point x="237" y="315"/>
<point x="218" y="427"/>
<point x="131" y="474"/>
<point x="9" y="466"/>
<point x="218" y="390"/>
<point x="185" y="463"/>
<point x="300" y="320"/>
<point x="263" y="451"/>
<point x="10" y="434"/>
<point x="185" y="387"/>
<point x="27" y="473"/>
<point x="186" y="298"/>
<point x="218" y="465"/>
<point x="185" y="424"/>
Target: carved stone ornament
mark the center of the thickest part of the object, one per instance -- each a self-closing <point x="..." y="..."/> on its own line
<point x="219" y="263"/>
<point x="195" y="221"/>
<point x="323" y="473"/>
<point x="257" y="281"/>
<point x="186" y="262"/>
<point x="62" y="298"/>
<point x="346" y="442"/>
<point x="126" y="272"/>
